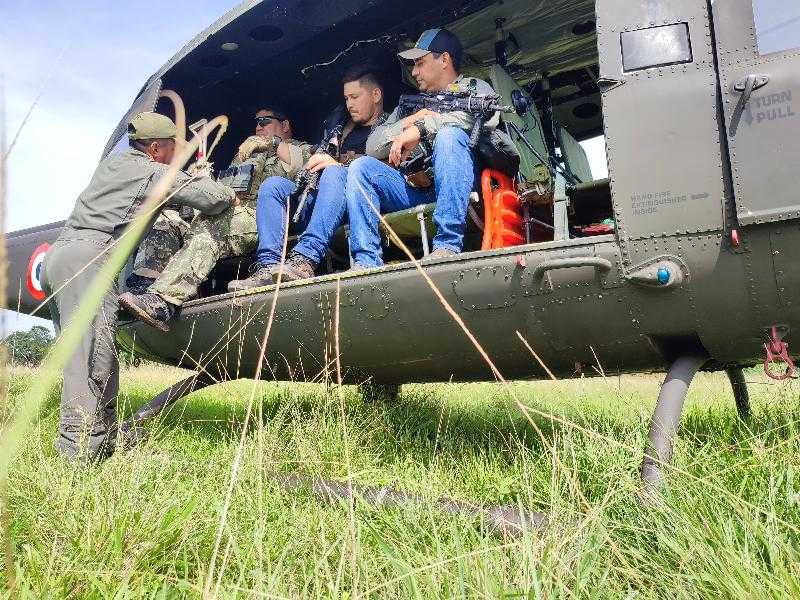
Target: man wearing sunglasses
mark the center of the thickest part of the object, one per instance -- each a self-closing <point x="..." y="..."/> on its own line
<point x="270" y="152"/>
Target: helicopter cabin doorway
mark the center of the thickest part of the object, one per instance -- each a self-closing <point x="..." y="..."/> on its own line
<point x="548" y="51"/>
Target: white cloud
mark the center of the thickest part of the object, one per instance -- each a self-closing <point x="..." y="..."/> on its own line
<point x="51" y="164"/>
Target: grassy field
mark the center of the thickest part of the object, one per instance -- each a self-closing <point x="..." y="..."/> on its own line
<point x="157" y="523"/>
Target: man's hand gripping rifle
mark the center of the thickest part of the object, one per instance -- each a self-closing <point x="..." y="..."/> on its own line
<point x="482" y="107"/>
<point x="307" y="182"/>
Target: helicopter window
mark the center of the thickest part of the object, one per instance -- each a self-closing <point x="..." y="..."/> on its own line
<point x="777" y="25"/>
<point x="656" y="47"/>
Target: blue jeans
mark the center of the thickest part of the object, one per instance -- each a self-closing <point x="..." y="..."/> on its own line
<point x="371" y="182"/>
<point x="321" y="216"/>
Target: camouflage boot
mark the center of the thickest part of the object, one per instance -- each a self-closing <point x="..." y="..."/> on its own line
<point x="137" y="284"/>
<point x="150" y="308"/>
<point x="262" y="276"/>
<point x="296" y="267"/>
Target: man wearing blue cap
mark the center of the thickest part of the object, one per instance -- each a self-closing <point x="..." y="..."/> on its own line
<point x="373" y="185"/>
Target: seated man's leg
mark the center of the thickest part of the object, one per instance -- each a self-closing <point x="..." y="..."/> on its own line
<point x="210" y="238"/>
<point x="454" y="178"/>
<point x="271" y="219"/>
<point x="326" y="217"/>
<point x="323" y="213"/>
<point x="374" y="186"/>
<point x="156" y="249"/>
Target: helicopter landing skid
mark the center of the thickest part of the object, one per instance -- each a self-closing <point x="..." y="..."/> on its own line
<point x="739" y="385"/>
<point x="665" y="421"/>
<point x="131" y="427"/>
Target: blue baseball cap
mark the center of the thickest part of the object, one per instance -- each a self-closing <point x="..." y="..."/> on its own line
<point x="435" y="40"/>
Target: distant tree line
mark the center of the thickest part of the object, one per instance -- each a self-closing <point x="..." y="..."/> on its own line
<point x="28" y="348"/>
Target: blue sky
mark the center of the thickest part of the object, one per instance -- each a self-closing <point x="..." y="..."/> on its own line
<point x="90" y="58"/>
<point x="777" y="25"/>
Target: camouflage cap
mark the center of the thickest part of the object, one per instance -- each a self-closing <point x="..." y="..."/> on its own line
<point x="151" y="126"/>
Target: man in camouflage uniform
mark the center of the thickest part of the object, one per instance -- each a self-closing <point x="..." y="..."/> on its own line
<point x="171" y="230"/>
<point x="159" y="246"/>
<point x="102" y="212"/>
<point x="272" y="152"/>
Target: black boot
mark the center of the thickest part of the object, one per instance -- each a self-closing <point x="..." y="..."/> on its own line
<point x="150" y="308"/>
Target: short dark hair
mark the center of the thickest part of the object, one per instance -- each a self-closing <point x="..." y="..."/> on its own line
<point x="365" y="74"/>
<point x="456" y="60"/>
<point x="276" y="112"/>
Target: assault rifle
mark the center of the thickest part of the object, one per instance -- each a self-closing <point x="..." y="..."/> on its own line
<point x="481" y="106"/>
<point x="307" y="182"/>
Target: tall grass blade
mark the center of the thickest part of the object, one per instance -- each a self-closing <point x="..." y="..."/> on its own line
<point x="5" y="514"/>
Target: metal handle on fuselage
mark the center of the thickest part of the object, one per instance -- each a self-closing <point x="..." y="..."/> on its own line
<point x="601" y="264"/>
<point x="745" y="86"/>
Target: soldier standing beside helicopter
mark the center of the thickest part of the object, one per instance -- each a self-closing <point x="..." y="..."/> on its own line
<point x="102" y="212"/>
<point x="437" y="59"/>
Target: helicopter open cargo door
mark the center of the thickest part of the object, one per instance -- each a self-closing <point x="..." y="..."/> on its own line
<point x="758" y="48"/>
<point x="659" y="90"/>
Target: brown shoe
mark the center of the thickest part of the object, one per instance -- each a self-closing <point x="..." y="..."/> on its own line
<point x="262" y="276"/>
<point x="440" y="253"/>
<point x="295" y="268"/>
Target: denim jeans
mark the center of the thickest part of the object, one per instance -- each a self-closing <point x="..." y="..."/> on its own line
<point x="371" y="183"/>
<point x="321" y="216"/>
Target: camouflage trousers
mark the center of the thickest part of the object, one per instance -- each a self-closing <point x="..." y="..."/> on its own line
<point x="157" y="248"/>
<point x="211" y="238"/>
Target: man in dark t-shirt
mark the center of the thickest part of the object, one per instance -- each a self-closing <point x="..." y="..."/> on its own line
<point x="324" y="210"/>
<point x="355" y="144"/>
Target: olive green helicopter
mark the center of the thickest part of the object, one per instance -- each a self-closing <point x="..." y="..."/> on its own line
<point x="679" y="260"/>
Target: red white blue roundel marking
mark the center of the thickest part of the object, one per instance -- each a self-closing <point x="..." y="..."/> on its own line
<point x="34" y="281"/>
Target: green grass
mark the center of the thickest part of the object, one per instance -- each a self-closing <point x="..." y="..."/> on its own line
<point x="144" y="524"/>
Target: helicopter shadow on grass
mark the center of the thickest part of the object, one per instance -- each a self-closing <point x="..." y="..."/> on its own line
<point x="434" y="415"/>
<point x="416" y="421"/>
<point x="432" y="424"/>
